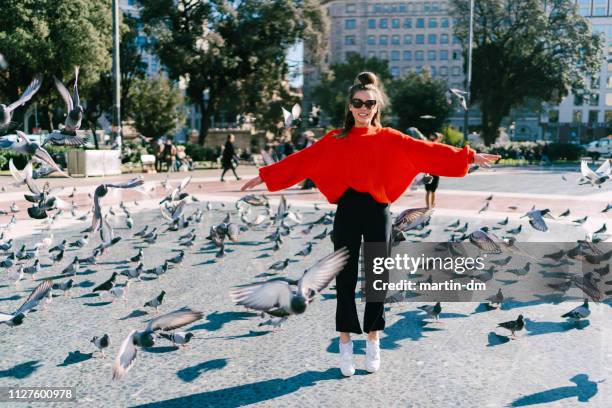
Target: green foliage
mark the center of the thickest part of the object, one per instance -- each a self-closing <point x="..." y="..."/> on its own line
<point x="133" y="150"/>
<point x="453" y="136"/>
<point x="533" y="151"/>
<point x="526" y="49"/>
<point x="332" y="94"/>
<point x="202" y="153"/>
<point x="414" y="96"/>
<point x="51" y="37"/>
<point x="235" y="50"/>
<point x="155" y="106"/>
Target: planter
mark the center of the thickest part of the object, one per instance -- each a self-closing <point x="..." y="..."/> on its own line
<point x="94" y="162"/>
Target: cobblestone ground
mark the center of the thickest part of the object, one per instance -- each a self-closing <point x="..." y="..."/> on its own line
<point x="231" y="361"/>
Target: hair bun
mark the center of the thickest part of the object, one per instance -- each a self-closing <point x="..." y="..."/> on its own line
<point x="366" y="78"/>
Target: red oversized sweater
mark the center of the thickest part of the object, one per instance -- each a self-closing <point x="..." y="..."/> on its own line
<point x="379" y="161"/>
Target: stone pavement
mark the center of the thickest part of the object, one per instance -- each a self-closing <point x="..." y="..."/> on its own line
<point x="462" y="361"/>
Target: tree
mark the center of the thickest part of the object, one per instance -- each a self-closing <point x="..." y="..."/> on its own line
<point x="526" y="49"/>
<point x="130" y="59"/>
<point x="415" y="96"/>
<point x="331" y="94"/>
<point x="155" y="106"/>
<point x="228" y="47"/>
<point x="50" y="38"/>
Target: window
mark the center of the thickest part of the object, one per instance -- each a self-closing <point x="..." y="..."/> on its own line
<point x="456" y="55"/>
<point x="455" y="71"/>
<point x="577" y="116"/>
<point x="599" y="7"/>
<point x="443" y="38"/>
<point x="378" y="8"/>
<point x="444" y="71"/>
<point x="408" y="39"/>
<point x="371" y="54"/>
<point x="432" y="39"/>
<point x="383" y="55"/>
<point x="403" y="8"/>
<point x="418" y="55"/>
<point x="433" y="23"/>
<point x="406" y="70"/>
<point x="383" y="40"/>
<point x="420" y="23"/>
<point x="608" y="117"/>
<point x="371" y="23"/>
<point x="593" y="116"/>
<point x="444" y="55"/>
<point x="350" y="24"/>
<point x="578" y="100"/>
<point x="418" y="70"/>
<point x="420" y="39"/>
<point x="553" y="116"/>
<point x="609" y="99"/>
<point x="431" y="55"/>
<point x="584" y="7"/>
<point x="407" y="55"/>
<point x="433" y="71"/>
<point x="444" y="22"/>
<point x="426" y="7"/>
<point x="395" y="71"/>
<point x="456" y="40"/>
<point x="371" y="40"/>
<point x="594" y="99"/>
<point x="395" y="23"/>
<point x="383" y="23"/>
<point x="435" y="7"/>
<point x="395" y="55"/>
<point x="350" y="54"/>
<point x="349" y="40"/>
<point x="407" y="23"/>
<point x="351" y="8"/>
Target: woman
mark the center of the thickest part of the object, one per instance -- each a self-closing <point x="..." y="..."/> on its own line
<point x="364" y="168"/>
<point x="170" y="155"/>
<point x="431" y="185"/>
<point x="228" y="156"/>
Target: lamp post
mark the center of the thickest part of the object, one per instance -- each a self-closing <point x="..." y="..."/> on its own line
<point x="468" y="79"/>
<point x="116" y="125"/>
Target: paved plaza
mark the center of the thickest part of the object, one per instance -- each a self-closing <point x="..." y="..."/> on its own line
<point x="459" y="361"/>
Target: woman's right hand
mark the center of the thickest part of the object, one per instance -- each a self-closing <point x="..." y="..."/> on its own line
<point x="251" y="183"/>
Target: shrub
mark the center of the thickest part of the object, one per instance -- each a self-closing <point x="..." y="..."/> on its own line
<point x="453" y="136"/>
<point x="202" y="153"/>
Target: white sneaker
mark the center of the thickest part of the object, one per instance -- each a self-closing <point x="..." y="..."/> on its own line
<point x="346" y="359"/>
<point x="372" y="356"/>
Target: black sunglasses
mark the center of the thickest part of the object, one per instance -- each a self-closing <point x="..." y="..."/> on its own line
<point x="358" y="103"/>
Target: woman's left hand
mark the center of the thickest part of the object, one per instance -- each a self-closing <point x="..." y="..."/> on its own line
<point x="485" y="159"/>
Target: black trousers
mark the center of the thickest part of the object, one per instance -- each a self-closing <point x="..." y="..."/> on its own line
<point x="357" y="215"/>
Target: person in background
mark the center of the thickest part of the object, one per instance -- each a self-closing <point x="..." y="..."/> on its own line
<point x="170" y="155"/>
<point x="159" y="155"/>
<point x="228" y="156"/>
<point x="431" y="180"/>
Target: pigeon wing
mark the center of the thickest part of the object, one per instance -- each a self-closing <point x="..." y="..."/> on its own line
<point x="36" y="296"/>
<point x="173" y="320"/>
<point x="27" y="94"/>
<point x="65" y="94"/>
<point x="296" y="111"/>
<point x="135" y="182"/>
<point x="587" y="172"/>
<point x="604" y="169"/>
<point x="125" y="357"/>
<point x="318" y="276"/>
<point x="263" y="296"/>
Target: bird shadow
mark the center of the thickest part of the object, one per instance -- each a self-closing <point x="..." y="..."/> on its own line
<point x="89" y="295"/>
<point x="451" y="315"/>
<point x="22" y="370"/>
<point x="86" y="272"/>
<point x="134" y="313"/>
<point x="497" y="339"/>
<point x="245" y="243"/>
<point x="483" y="308"/>
<point x="14" y="297"/>
<point x="148" y="278"/>
<point x="251" y="333"/>
<point x="98" y="304"/>
<point x="210" y="261"/>
<point x="216" y="320"/>
<point x="252" y="393"/>
<point x="75" y="357"/>
<point x="86" y="284"/>
<point x="160" y="350"/>
<point x="536" y="328"/>
<point x="191" y="373"/>
<point x="584" y="390"/>
<point x="263" y="256"/>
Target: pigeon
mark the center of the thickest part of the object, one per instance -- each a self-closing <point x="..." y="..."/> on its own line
<point x="536" y="219"/>
<point x="5" y="246"/>
<point x="156" y="301"/>
<point x="579" y="312"/>
<point x="292" y="119"/>
<point x="432" y="310"/>
<point x="501" y="262"/>
<point x="127" y="352"/>
<point x="58" y="257"/>
<point x="101" y="343"/>
<point x="180" y="338"/>
<point x="597" y="177"/>
<point x="24" y="146"/>
<point x="65" y="287"/>
<point x="159" y="269"/>
<point x="516" y="230"/>
<point x="608" y="208"/>
<point x="280" y="265"/>
<point x="142" y="232"/>
<point x="59" y="247"/>
<point x="16" y="276"/>
<point x="101" y="191"/>
<point x="410" y="219"/>
<point x="581" y="220"/>
<point x="178" y="258"/>
<point x="255" y="200"/>
<point x="486" y="245"/>
<point x="39" y="293"/>
<point x="134" y="273"/>
<point x="120" y="291"/>
<point x="276" y="297"/>
<point x="306" y="251"/>
<point x="33" y="269"/>
<point x="137" y="257"/>
<point x="601" y="230"/>
<point x="106" y="285"/>
<point x="80" y="243"/>
<point x="74" y="114"/>
<point x="6" y="112"/>
<point x="565" y="213"/>
<point x="460" y="95"/>
<point x="484" y="208"/>
<point x="503" y="222"/>
<point x="496" y="299"/>
<point x="73" y="268"/>
<point x="513" y="325"/>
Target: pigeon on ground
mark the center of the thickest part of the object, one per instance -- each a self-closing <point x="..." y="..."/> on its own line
<point x="65" y="287"/>
<point x="432" y="310"/>
<point x="513" y="325"/>
<point x="156" y="301"/>
<point x="496" y="299"/>
<point x="101" y="343"/>
<point x="579" y="312"/>
<point x="106" y="285"/>
<point x="180" y="338"/>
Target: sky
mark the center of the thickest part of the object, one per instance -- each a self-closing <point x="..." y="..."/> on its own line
<point x="295" y="58"/>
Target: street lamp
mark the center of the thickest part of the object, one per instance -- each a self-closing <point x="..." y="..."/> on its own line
<point x="468" y="79"/>
<point x="116" y="126"/>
